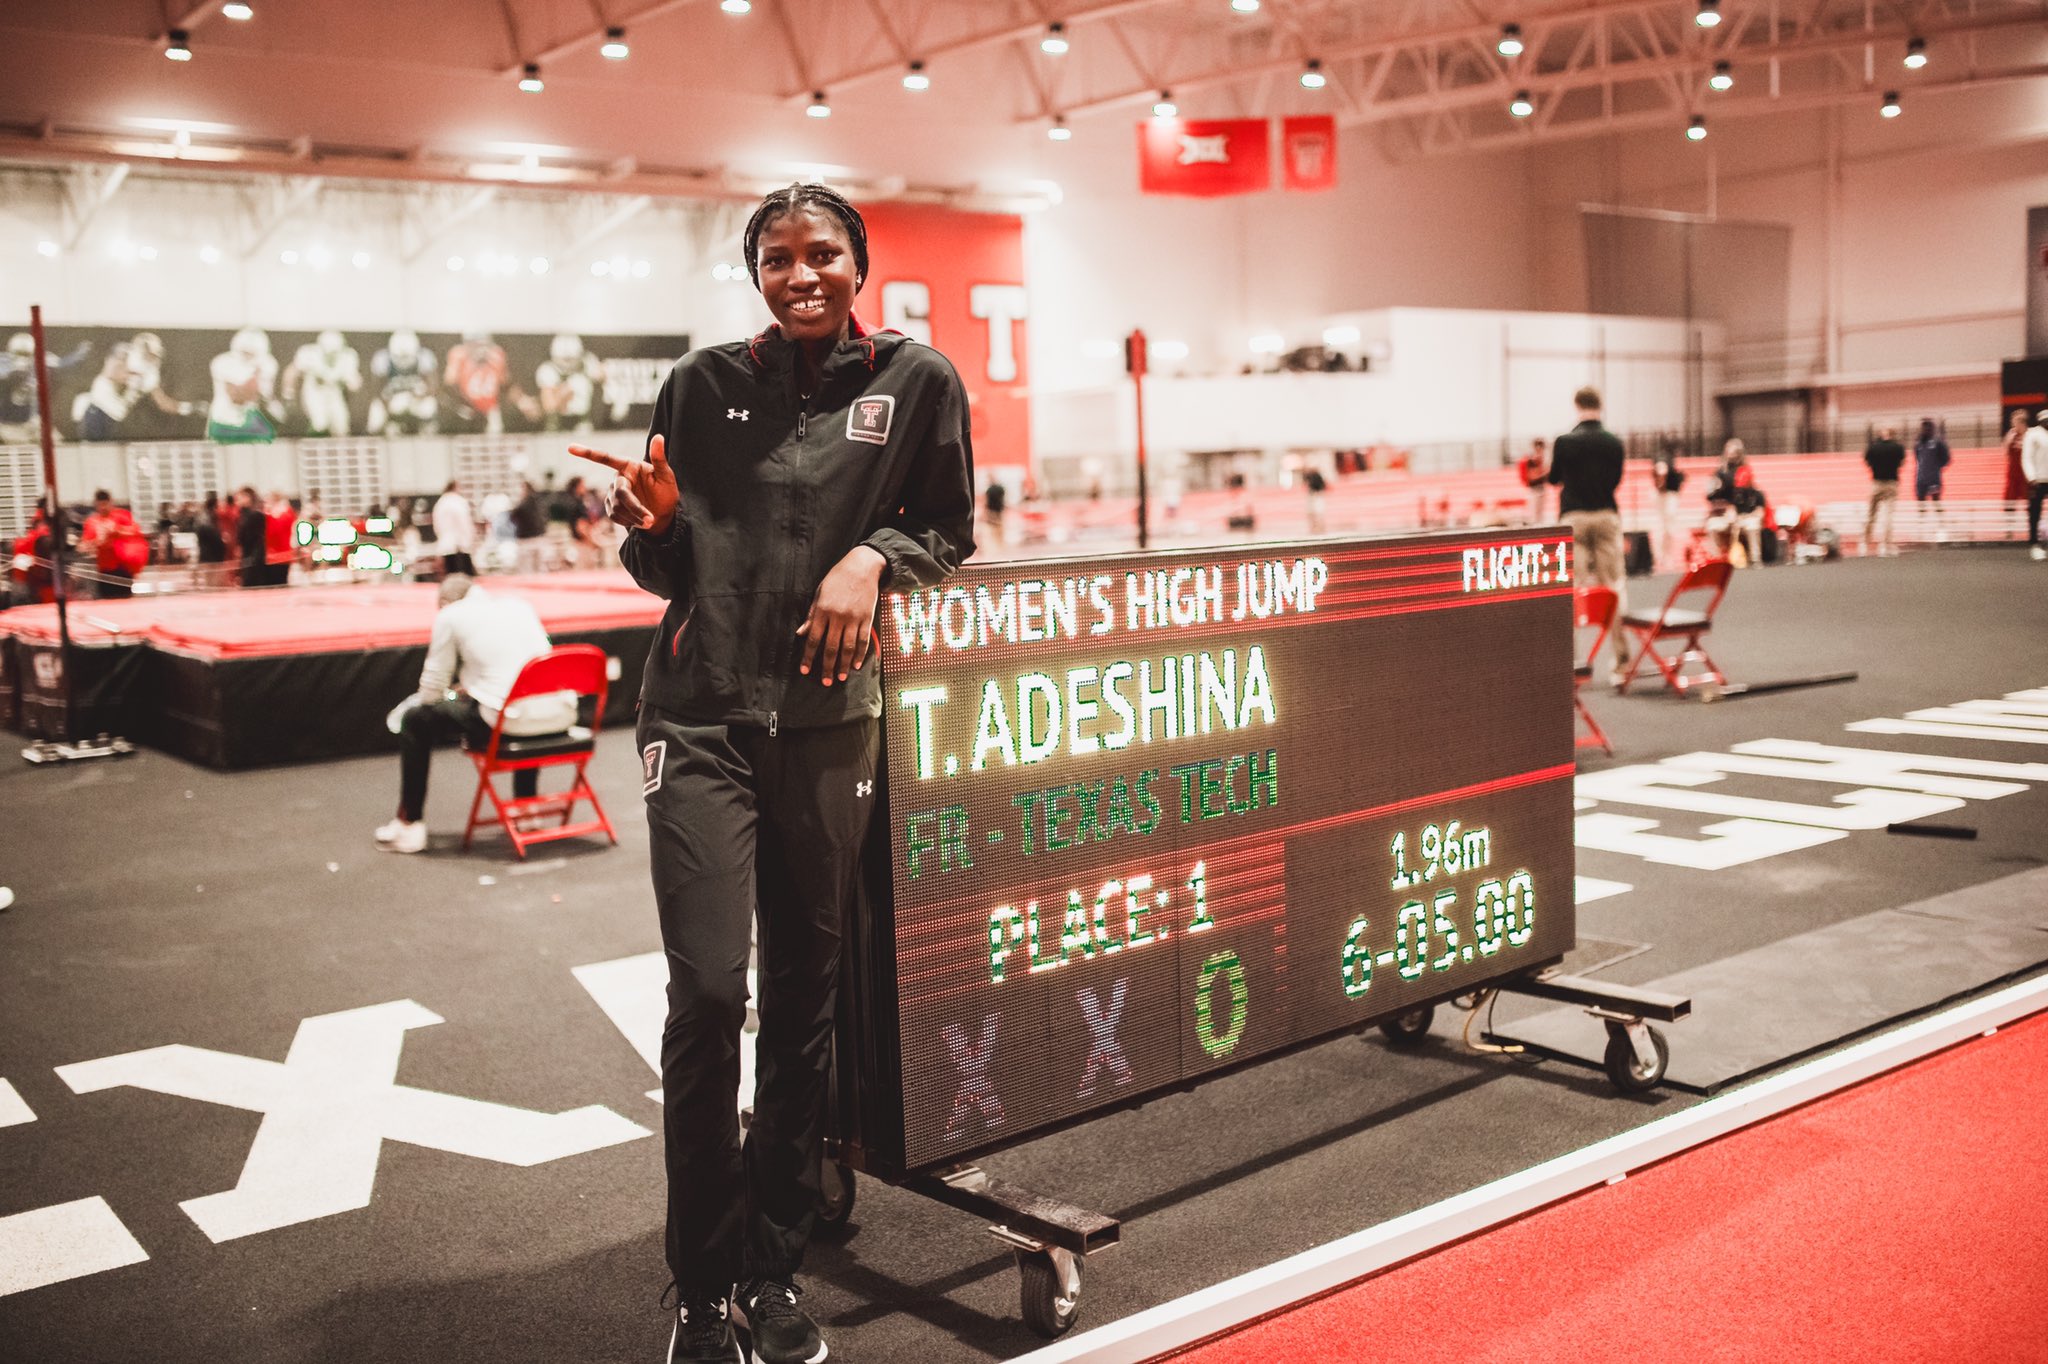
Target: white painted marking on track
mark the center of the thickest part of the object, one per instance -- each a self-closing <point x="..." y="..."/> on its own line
<point x="14" y="1110"/>
<point x="64" y="1241"/>
<point x="1586" y="889"/>
<point x="327" y="1110"/>
<point x="1727" y="843"/>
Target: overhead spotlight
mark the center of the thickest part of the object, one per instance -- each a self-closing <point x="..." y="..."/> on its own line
<point x="529" y="79"/>
<point x="178" y="46"/>
<point x="736" y="6"/>
<point x="240" y="13"/>
<point x="818" y="108"/>
<point x="721" y="272"/>
<point x="455" y="263"/>
<point x="1510" y="44"/>
<point x="641" y="269"/>
<point x="1312" y="75"/>
<point x="1164" y="107"/>
<point x="1522" y="106"/>
<point x="915" y="78"/>
<point x="209" y="255"/>
<point x="539" y="265"/>
<point x="1723" y="77"/>
<point x="287" y="257"/>
<point x="360" y="260"/>
<point x="1059" y="131"/>
<point x="1055" y="41"/>
<point x="1697" y="129"/>
<point x="1916" y="54"/>
<point x="1709" y="13"/>
<point x="1266" y="343"/>
<point x="615" y="44"/>
<point x="47" y="249"/>
<point x="1245" y="6"/>
<point x="1890" y="107"/>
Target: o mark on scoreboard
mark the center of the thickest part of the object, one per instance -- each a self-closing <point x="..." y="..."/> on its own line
<point x="1103" y="1048"/>
<point x="1226" y="965"/>
<point x="975" y="1094"/>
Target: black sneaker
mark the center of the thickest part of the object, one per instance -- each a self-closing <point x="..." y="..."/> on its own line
<point x="703" y="1334"/>
<point x="783" y="1332"/>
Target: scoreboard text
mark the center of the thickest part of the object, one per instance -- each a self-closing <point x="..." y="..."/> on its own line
<point x="1158" y="814"/>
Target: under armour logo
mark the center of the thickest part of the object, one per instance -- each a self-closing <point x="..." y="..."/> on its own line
<point x="975" y="1094"/>
<point x="737" y="414"/>
<point x="1103" y="1047"/>
<point x="863" y="788"/>
<point x="1215" y="149"/>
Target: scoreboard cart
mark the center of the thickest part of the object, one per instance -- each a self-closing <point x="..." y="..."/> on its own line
<point x="1152" y="817"/>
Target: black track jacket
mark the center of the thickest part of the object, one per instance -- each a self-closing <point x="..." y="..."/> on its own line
<point x="775" y="491"/>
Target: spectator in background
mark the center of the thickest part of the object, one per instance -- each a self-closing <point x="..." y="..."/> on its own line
<point x="1735" y="508"/>
<point x="1318" y="487"/>
<point x="279" y="517"/>
<point x="213" y="549"/>
<point x="249" y="539"/>
<point x="227" y="520"/>
<point x="119" y="548"/>
<point x="32" y="570"/>
<point x="1666" y="478"/>
<point x="454" y="531"/>
<point x="481" y="641"/>
<point x="1884" y="456"/>
<point x="1585" y="465"/>
<point x="2015" y="471"/>
<point x="994" y="499"/>
<point x="530" y="528"/>
<point x="1930" y="458"/>
<point x="564" y="508"/>
<point x="2034" y="464"/>
<point x="1534" y="469"/>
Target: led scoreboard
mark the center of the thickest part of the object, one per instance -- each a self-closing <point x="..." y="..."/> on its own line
<point x="1150" y="816"/>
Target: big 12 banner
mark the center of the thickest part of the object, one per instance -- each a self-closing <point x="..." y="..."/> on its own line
<point x="1204" y="158"/>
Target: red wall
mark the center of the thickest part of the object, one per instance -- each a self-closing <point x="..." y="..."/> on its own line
<point x="949" y="254"/>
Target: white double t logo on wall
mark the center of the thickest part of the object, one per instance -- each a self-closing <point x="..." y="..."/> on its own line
<point x="328" y="1108"/>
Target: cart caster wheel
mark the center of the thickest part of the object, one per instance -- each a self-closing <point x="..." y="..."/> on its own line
<point x="1630" y="1073"/>
<point x="835" y="1194"/>
<point x="1050" y="1290"/>
<point x="1407" y="1030"/>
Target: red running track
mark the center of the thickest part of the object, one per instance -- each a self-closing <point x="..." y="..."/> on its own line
<point x="1904" y="1221"/>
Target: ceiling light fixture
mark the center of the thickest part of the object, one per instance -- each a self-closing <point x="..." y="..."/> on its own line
<point x="1709" y="13"/>
<point x="1164" y="107"/>
<point x="1723" y="77"/>
<point x="1697" y="129"/>
<point x="615" y="48"/>
<point x="818" y="108"/>
<point x="1916" y="54"/>
<point x="1510" y="44"/>
<point x="736" y="6"/>
<point x="240" y="13"/>
<point x="539" y="265"/>
<point x="456" y="263"/>
<point x="178" y="47"/>
<point x="1522" y="106"/>
<point x="1890" y="107"/>
<point x="1059" y="131"/>
<point x="529" y="79"/>
<point x="1312" y="75"/>
<point x="47" y="249"/>
<point x="1245" y="6"/>
<point x="915" y="78"/>
<point x="1055" y="41"/>
<point x="287" y="257"/>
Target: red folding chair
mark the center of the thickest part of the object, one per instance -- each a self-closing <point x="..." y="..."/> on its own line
<point x="1592" y="608"/>
<point x="1673" y="621"/>
<point x="578" y="668"/>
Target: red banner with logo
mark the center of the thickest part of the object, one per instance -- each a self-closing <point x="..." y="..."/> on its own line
<point x="1205" y="158"/>
<point x="1308" y="152"/>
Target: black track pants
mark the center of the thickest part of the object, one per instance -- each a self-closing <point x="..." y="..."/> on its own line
<point x="746" y="827"/>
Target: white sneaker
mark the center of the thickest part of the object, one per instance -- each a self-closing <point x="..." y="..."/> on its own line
<point x="401" y="837"/>
<point x="2037" y="553"/>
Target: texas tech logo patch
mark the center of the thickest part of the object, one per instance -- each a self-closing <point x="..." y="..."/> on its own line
<point x="651" y="759"/>
<point x="868" y="419"/>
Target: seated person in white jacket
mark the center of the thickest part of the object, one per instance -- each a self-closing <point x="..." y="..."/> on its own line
<point x="481" y="640"/>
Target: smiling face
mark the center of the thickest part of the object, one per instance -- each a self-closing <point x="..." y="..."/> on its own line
<point x="808" y="277"/>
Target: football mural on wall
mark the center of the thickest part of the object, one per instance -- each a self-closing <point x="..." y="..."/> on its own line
<point x="256" y="384"/>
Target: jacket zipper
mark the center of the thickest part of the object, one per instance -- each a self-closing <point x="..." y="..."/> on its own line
<point x="773" y="720"/>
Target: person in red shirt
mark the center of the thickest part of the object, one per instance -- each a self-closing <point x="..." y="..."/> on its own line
<point x="278" y="550"/>
<point x="29" y="566"/>
<point x="1534" y="469"/>
<point x="119" y="548"/>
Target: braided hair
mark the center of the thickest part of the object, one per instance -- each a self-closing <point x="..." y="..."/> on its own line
<point x="784" y="203"/>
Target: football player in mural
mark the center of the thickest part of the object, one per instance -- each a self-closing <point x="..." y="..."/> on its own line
<point x="568" y="381"/>
<point x="322" y="374"/>
<point x="20" y="420"/>
<point x="479" y="375"/>
<point x="132" y="371"/>
<point x="408" y="401"/>
<point x="245" y="407"/>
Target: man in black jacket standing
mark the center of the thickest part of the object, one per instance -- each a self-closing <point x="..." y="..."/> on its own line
<point x="789" y="479"/>
<point x="1882" y="456"/>
<point x="1586" y="464"/>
